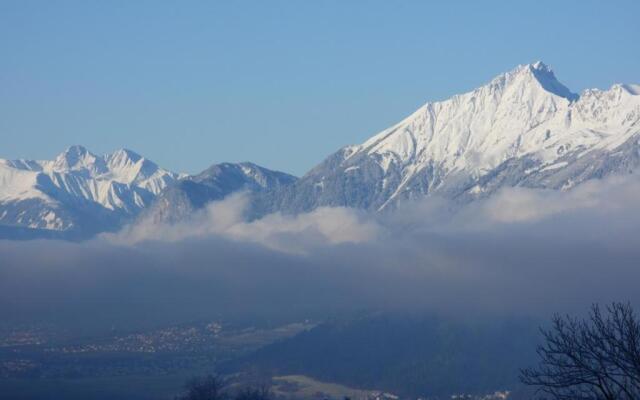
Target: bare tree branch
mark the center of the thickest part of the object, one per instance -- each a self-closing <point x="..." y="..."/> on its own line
<point x="592" y="359"/>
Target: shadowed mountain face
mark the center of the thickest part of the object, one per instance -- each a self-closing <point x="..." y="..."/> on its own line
<point x="214" y="183"/>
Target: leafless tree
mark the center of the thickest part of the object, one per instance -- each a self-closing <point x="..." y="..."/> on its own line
<point x="209" y="387"/>
<point x="589" y="359"/>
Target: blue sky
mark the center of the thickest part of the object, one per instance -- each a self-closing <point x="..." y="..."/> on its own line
<point x="279" y="83"/>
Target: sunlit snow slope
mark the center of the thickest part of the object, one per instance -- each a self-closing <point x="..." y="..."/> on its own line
<point x="524" y="128"/>
<point x="78" y="190"/>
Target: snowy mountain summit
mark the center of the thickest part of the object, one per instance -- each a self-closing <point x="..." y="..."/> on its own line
<point x="78" y="189"/>
<point x="522" y="128"/>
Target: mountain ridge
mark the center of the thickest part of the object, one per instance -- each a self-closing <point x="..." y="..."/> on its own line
<point x="447" y="148"/>
<point x="214" y="183"/>
<point x="522" y="128"/>
<point x="45" y="194"/>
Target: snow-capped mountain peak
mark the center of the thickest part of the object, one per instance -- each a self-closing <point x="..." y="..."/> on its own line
<point x="524" y="111"/>
<point x="76" y="158"/>
<point x="479" y="129"/>
<point x="129" y="167"/>
<point x="36" y="193"/>
<point x="525" y="117"/>
<point x="122" y="158"/>
<point x="530" y="77"/>
<point x="547" y="79"/>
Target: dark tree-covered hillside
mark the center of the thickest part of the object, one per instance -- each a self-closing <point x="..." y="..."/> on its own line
<point x="405" y="355"/>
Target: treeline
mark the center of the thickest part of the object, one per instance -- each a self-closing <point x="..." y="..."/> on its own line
<point x="213" y="387"/>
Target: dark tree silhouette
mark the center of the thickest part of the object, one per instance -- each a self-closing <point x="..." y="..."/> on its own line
<point x="254" y="393"/>
<point x="209" y="387"/>
<point x="590" y="359"/>
<point x="212" y="387"/>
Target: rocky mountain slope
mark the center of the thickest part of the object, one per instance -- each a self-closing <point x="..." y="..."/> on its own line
<point x="214" y="183"/>
<point x="524" y="128"/>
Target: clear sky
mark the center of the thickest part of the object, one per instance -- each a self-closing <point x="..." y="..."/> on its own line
<point x="279" y="83"/>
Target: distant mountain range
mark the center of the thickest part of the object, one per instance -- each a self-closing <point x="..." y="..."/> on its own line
<point x="78" y="192"/>
<point x="524" y="128"/>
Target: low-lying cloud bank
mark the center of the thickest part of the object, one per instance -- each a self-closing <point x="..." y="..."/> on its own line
<point x="519" y="252"/>
<point x="226" y="219"/>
